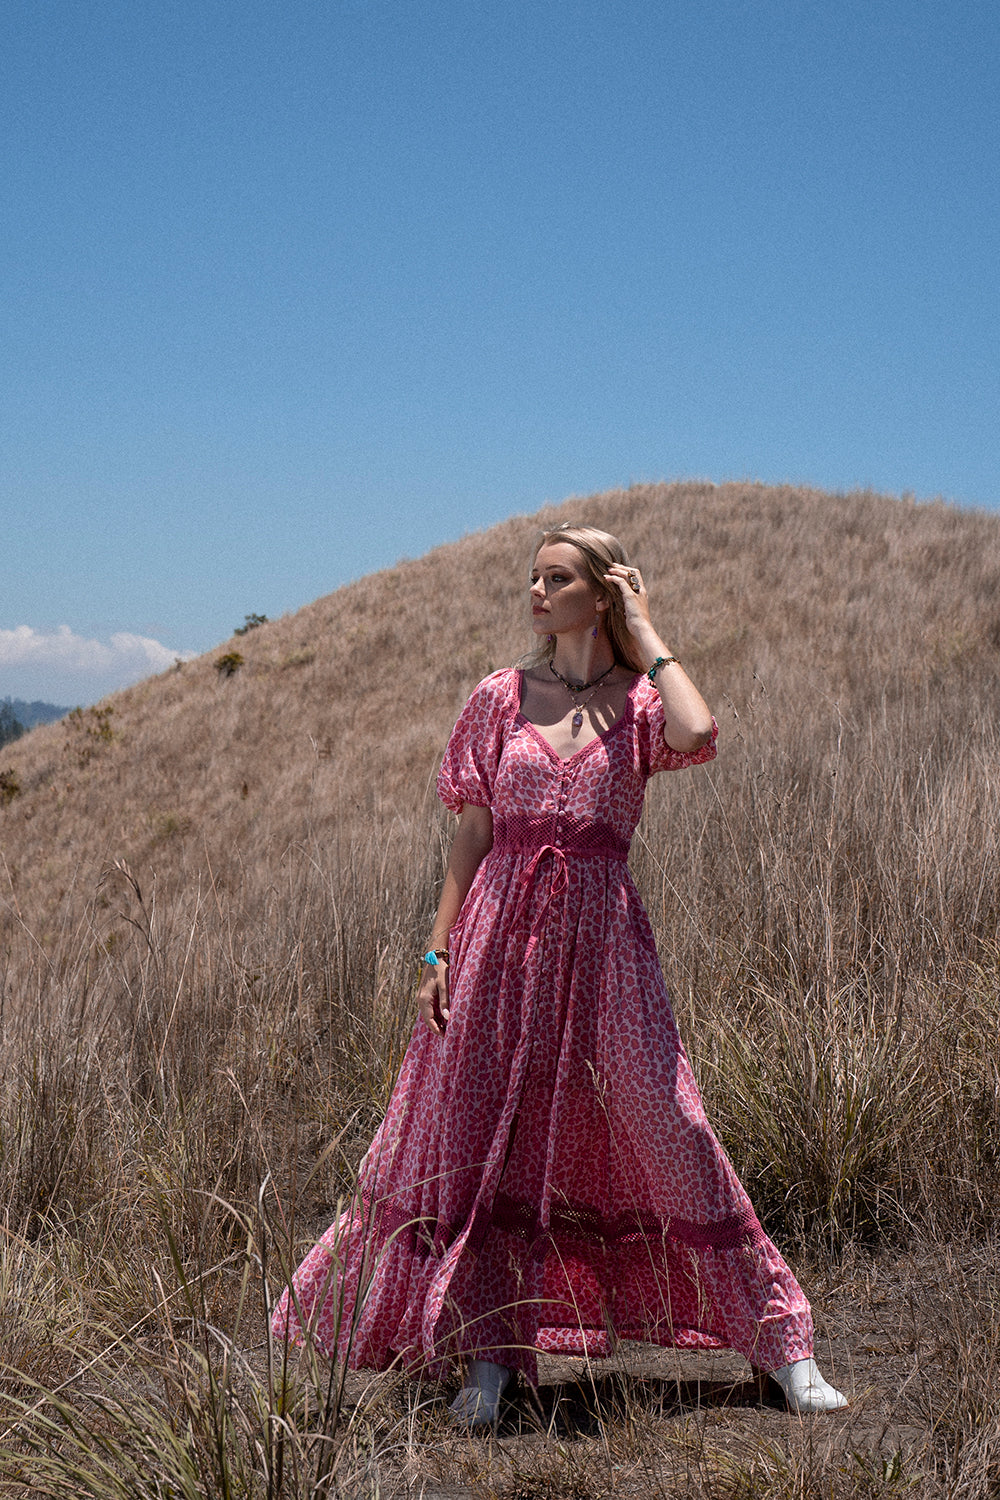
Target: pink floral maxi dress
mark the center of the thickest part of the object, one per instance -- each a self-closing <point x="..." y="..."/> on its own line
<point x="545" y="1177"/>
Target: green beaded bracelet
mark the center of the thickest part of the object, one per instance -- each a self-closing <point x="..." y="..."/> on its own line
<point x="661" y="661"/>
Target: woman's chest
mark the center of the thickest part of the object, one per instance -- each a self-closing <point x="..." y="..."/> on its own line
<point x="598" y="781"/>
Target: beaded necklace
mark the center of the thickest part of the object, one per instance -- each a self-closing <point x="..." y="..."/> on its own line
<point x="573" y="690"/>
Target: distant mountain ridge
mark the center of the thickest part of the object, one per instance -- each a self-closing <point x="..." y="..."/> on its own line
<point x="36" y="712"/>
<point x="17" y="717"/>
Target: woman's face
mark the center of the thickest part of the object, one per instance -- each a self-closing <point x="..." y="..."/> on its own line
<point x="562" y="596"/>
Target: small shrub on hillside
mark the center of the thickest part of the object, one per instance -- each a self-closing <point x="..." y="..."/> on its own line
<point x="87" y="730"/>
<point x="10" y="787"/>
<point x="228" y="665"/>
<point x="165" y="825"/>
<point x="250" y="623"/>
<point x="300" y="658"/>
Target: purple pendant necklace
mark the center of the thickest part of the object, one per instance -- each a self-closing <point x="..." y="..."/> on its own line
<point x="575" y="688"/>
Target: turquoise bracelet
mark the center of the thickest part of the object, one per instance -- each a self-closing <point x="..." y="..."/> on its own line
<point x="661" y="661"/>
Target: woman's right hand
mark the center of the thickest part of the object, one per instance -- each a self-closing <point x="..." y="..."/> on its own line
<point x="432" y="997"/>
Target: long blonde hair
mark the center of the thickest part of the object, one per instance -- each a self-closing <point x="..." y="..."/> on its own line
<point x="598" y="549"/>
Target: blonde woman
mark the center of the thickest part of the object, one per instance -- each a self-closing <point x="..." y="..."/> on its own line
<point x="545" y="1177"/>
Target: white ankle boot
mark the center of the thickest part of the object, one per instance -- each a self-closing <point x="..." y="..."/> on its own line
<point x="478" y="1402"/>
<point x="805" y="1389"/>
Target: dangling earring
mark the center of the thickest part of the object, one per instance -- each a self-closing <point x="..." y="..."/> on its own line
<point x="594" y="633"/>
<point x="550" y="639"/>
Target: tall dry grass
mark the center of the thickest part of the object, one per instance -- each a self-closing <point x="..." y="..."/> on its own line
<point x="206" y="975"/>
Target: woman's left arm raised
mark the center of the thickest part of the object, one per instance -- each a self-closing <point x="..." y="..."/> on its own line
<point x="687" y="722"/>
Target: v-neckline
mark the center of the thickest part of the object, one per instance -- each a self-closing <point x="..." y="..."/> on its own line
<point x="602" y="734"/>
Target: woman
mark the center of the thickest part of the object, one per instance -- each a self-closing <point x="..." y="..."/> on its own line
<point x="545" y="1177"/>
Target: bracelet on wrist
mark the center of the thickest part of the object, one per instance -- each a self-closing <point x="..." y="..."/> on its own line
<point x="436" y="956"/>
<point x="661" y="661"/>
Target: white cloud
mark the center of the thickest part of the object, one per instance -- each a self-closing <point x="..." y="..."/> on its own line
<point x="64" y="666"/>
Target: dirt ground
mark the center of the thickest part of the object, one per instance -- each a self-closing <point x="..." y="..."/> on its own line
<point x="909" y="1338"/>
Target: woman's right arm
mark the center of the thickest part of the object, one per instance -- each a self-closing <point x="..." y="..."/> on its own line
<point x="472" y="843"/>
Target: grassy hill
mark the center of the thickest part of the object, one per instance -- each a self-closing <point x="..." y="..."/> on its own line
<point x="828" y="606"/>
<point x="215" y="886"/>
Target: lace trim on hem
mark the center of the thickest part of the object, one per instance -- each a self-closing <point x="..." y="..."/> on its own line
<point x="576" y="1224"/>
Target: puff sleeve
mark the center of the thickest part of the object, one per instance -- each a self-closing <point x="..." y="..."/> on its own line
<point x="469" y="769"/>
<point x="654" y="754"/>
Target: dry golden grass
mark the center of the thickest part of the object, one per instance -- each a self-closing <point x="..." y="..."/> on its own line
<point x="213" y="896"/>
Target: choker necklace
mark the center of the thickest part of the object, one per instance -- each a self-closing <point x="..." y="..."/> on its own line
<point x="573" y="690"/>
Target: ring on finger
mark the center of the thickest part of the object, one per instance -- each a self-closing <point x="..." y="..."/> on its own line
<point x="633" y="581"/>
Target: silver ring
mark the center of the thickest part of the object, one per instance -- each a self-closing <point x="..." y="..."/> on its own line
<point x="633" y="581"/>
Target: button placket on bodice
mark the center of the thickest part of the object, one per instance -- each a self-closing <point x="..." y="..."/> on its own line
<point x="557" y="845"/>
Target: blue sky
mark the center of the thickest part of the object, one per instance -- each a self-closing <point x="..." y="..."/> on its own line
<point x="293" y="290"/>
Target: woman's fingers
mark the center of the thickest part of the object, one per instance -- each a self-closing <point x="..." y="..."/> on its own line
<point x="429" y="1014"/>
<point x="432" y="999"/>
<point x="630" y="586"/>
<point x="628" y="580"/>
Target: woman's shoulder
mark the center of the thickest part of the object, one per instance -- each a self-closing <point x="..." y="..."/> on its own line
<point x="498" y="686"/>
<point x="496" y="694"/>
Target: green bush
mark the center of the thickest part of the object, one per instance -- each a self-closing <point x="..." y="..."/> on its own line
<point x="228" y="664"/>
<point x="250" y="622"/>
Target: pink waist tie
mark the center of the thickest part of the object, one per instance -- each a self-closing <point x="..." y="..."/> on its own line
<point x="559" y="839"/>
